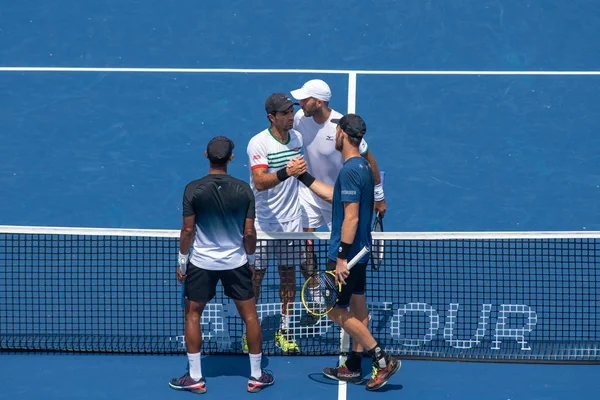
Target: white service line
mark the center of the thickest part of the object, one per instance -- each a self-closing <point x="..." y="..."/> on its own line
<point x="291" y="71"/>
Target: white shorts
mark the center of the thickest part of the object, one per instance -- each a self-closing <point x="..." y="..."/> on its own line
<point x="278" y="252"/>
<point x="314" y="216"/>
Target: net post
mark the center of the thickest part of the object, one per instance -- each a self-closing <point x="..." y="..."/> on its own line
<point x="351" y="92"/>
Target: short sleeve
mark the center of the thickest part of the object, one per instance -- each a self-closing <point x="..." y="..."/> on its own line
<point x="188" y="200"/>
<point x="257" y="155"/>
<point x="349" y="186"/>
<point x="363" y="147"/>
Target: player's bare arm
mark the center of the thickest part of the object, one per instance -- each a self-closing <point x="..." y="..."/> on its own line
<point x="249" y="236"/>
<point x="186" y="236"/>
<point x="264" y="180"/>
<point x="321" y="189"/>
<point x="380" y="203"/>
<point x="349" y="226"/>
<point x="250" y="241"/>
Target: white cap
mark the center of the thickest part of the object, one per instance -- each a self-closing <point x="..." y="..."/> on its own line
<point x="314" y="88"/>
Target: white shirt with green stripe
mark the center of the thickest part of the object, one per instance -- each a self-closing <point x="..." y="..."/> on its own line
<point x="280" y="203"/>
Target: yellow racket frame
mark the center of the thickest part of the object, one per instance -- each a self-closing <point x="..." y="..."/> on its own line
<point x="305" y="288"/>
<point x="351" y="264"/>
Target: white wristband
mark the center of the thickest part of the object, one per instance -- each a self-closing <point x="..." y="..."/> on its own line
<point x="251" y="259"/>
<point x="182" y="260"/>
<point x="379" y="196"/>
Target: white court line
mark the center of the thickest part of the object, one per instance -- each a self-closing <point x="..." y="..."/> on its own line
<point x="344" y="337"/>
<point x="288" y="71"/>
<point x="352" y="92"/>
<point x="344" y="348"/>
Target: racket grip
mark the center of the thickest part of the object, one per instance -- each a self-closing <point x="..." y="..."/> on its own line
<point x="357" y="257"/>
<point x="183" y="260"/>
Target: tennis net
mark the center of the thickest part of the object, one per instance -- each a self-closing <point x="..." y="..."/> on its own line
<point x="526" y="297"/>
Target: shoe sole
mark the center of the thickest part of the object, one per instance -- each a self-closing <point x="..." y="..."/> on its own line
<point x="382" y="384"/>
<point x="261" y="387"/>
<point x="335" y="378"/>
<point x="195" y="391"/>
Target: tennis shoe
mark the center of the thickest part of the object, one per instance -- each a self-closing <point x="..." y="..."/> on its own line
<point x="286" y="342"/>
<point x="256" y="385"/>
<point x="381" y="376"/>
<point x="244" y="344"/>
<point x="186" y="383"/>
<point x="342" y="373"/>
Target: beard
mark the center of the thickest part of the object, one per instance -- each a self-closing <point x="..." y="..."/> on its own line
<point x="309" y="112"/>
<point x="339" y="144"/>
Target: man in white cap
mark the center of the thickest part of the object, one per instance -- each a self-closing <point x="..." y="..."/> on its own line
<point x="323" y="161"/>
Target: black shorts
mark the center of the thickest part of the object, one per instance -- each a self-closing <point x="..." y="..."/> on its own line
<point x="356" y="283"/>
<point x="201" y="284"/>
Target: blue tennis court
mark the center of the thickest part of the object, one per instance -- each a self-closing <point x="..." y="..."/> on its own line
<point x="484" y="121"/>
<point x="145" y="377"/>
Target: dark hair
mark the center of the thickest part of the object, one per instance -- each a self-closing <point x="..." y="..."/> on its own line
<point x="354" y="141"/>
<point x="217" y="161"/>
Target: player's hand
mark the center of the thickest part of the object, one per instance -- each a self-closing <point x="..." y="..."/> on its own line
<point x="253" y="270"/>
<point x="180" y="276"/>
<point x="341" y="271"/>
<point x="381" y="207"/>
<point x="296" y="166"/>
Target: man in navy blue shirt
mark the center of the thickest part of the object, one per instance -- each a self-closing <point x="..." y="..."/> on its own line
<point x="352" y="205"/>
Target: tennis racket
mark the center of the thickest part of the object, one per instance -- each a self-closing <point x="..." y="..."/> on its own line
<point x="320" y="292"/>
<point x="183" y="270"/>
<point x="378" y="247"/>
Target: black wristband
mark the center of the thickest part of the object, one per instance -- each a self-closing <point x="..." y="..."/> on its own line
<point x="343" y="251"/>
<point x="307" y="179"/>
<point x="282" y="174"/>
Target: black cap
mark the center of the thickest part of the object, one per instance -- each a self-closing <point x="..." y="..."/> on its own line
<point x="352" y="124"/>
<point x="219" y="149"/>
<point x="278" y="102"/>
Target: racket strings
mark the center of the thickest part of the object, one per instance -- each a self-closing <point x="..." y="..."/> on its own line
<point x="378" y="246"/>
<point x="322" y="292"/>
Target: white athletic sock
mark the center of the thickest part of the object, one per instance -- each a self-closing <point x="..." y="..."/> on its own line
<point x="255" y="361"/>
<point x="195" y="367"/>
<point x="285" y="321"/>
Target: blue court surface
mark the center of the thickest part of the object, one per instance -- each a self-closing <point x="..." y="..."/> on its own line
<point x="146" y="377"/>
<point x="479" y="150"/>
